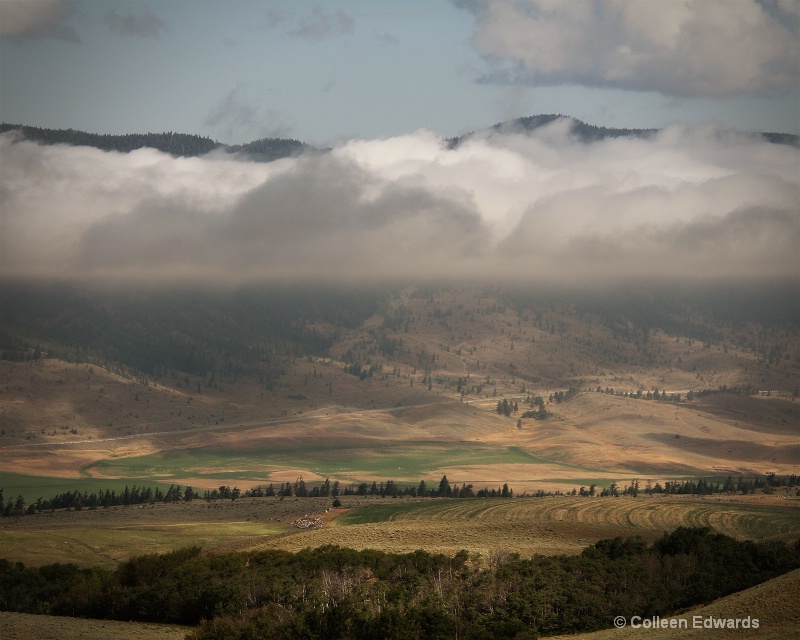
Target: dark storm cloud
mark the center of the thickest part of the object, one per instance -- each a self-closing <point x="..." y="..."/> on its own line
<point x="689" y="203"/>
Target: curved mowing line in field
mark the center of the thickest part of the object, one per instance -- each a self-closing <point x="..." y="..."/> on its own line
<point x="661" y="514"/>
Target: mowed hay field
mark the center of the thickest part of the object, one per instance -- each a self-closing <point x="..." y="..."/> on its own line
<point x="549" y="525"/>
<point x="484" y="527"/>
<point x="107" y="536"/>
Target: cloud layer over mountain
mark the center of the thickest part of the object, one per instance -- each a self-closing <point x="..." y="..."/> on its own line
<point x="689" y="203"/>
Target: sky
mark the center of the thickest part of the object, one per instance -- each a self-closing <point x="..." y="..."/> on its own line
<point x="325" y="72"/>
<point x="381" y="84"/>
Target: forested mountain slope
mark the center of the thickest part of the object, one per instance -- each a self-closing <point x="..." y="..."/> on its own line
<point x="175" y="144"/>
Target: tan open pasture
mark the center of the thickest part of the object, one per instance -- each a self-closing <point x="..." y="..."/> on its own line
<point x="659" y="438"/>
<point x="595" y="436"/>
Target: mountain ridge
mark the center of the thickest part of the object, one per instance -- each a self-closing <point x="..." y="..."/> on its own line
<point x="268" y="149"/>
<point x="176" y="144"/>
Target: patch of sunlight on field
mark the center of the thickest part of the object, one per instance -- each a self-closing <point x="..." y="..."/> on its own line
<point x="109" y="545"/>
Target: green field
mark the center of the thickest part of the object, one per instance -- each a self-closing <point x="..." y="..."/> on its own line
<point x="405" y="461"/>
<point x="33" y="487"/>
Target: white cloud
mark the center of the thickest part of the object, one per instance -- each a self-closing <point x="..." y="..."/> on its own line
<point x="688" y="203"/>
<point x="687" y="48"/>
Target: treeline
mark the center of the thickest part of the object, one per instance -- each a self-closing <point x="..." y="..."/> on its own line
<point x="334" y="593"/>
<point x="506" y="407"/>
<point x="175" y="144"/>
<point x="655" y="394"/>
<point x="389" y="488"/>
<point x="108" y="498"/>
<point x="299" y="488"/>
<point x="739" y="485"/>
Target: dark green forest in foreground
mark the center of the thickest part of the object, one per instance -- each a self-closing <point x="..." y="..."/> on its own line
<point x="331" y="592"/>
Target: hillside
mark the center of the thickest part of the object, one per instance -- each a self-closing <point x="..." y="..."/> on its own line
<point x="399" y="384"/>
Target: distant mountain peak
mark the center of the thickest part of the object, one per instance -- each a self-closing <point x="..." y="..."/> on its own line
<point x="590" y="133"/>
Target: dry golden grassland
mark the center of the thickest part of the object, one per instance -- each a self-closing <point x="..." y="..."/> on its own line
<point x="594" y="438"/>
